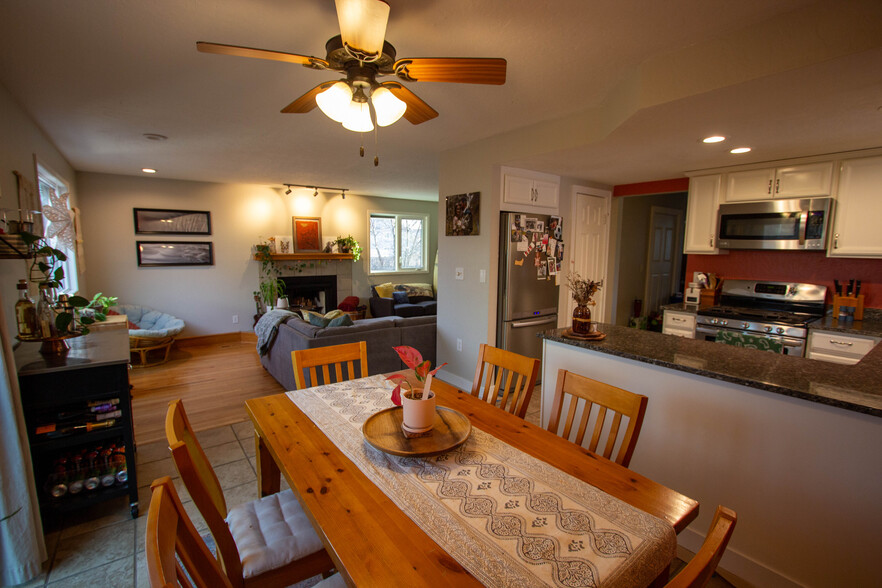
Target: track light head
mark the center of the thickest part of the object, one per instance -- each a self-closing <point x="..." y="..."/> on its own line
<point x="343" y="193"/>
<point x="315" y="192"/>
<point x="288" y="191"/>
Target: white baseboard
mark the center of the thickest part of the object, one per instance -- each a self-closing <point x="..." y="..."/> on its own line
<point x="455" y="380"/>
<point x="737" y="569"/>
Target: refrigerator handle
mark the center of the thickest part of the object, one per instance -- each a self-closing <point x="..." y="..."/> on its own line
<point x="544" y="321"/>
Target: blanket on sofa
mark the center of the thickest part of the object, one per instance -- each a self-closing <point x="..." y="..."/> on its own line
<point x="267" y="327"/>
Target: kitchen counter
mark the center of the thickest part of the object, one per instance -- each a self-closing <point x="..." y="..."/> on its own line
<point x="857" y="388"/>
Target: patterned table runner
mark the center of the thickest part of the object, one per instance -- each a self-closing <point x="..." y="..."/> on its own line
<point x="508" y="518"/>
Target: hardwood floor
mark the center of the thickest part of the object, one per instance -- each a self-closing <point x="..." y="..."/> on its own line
<point x="213" y="377"/>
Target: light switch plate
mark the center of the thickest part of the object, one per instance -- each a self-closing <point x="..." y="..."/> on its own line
<point x="482" y="276"/>
<point x="460" y="273"/>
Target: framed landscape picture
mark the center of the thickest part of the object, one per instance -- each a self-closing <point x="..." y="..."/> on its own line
<point x="169" y="253"/>
<point x="307" y="234"/>
<point x="150" y="221"/>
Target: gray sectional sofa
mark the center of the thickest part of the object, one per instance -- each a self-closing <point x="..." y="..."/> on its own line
<point x="380" y="334"/>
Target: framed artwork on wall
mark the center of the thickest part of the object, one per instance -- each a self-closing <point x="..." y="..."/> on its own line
<point x="169" y="253"/>
<point x="463" y="214"/>
<point x="151" y="221"/>
<point x="307" y="234"/>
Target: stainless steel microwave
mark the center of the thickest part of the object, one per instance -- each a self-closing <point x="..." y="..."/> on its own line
<point x="792" y="223"/>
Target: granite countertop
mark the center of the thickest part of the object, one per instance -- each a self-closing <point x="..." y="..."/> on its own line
<point x="857" y="387"/>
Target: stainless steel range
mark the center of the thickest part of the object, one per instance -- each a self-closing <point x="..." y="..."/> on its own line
<point x="777" y="310"/>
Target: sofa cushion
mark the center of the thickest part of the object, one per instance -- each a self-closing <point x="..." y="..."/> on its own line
<point x="429" y="306"/>
<point x="417" y="290"/>
<point x="384" y="290"/>
<point x="400" y="298"/>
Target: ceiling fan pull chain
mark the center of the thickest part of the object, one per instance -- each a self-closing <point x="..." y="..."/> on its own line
<point x="361" y="150"/>
<point x="376" y="145"/>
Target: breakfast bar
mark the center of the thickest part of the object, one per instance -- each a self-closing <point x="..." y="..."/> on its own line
<point x="785" y="441"/>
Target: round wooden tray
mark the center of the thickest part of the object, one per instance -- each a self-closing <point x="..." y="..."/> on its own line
<point x="383" y="431"/>
<point x="597" y="336"/>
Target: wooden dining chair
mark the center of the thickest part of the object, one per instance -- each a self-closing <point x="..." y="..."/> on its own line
<point x="176" y="554"/>
<point x="505" y="379"/>
<point x="265" y="542"/>
<point x="607" y="398"/>
<point x="701" y="567"/>
<point x="341" y="358"/>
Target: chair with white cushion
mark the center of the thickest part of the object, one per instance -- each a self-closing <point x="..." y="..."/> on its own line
<point x="266" y="542"/>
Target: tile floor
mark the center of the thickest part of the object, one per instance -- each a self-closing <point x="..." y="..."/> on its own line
<point x="104" y="546"/>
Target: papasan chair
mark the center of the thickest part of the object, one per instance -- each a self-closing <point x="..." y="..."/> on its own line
<point x="151" y="333"/>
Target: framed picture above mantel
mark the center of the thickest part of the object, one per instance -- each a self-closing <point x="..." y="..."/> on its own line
<point x="154" y="221"/>
<point x="307" y="234"/>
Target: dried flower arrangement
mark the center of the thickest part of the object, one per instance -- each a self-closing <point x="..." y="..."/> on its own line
<point x="582" y="289"/>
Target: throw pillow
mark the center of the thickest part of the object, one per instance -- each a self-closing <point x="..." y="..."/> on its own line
<point x="384" y="290"/>
<point x="414" y="290"/>
<point x="349" y="303"/>
<point x="335" y="318"/>
<point x="400" y="297"/>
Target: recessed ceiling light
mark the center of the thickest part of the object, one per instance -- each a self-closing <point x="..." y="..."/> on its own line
<point x="714" y="139"/>
<point x="740" y="150"/>
<point x="155" y="137"/>
<point x="148" y="170"/>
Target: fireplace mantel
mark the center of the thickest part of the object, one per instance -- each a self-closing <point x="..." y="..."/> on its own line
<point x="307" y="256"/>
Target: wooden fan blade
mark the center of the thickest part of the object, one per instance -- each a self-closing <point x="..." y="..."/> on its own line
<point x="417" y="111"/>
<point x="463" y="70"/>
<point x="238" y="51"/>
<point x="307" y="102"/>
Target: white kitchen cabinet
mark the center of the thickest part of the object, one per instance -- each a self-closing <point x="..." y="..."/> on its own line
<point x="837" y="347"/>
<point x="528" y="190"/>
<point x="681" y="324"/>
<point x="855" y="230"/>
<point x="701" y="214"/>
<point x="792" y="181"/>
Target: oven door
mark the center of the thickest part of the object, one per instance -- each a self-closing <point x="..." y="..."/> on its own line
<point x="792" y="346"/>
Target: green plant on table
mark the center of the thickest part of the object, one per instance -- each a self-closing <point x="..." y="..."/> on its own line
<point x="46" y="269"/>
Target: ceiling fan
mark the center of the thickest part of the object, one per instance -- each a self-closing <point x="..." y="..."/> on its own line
<point x="362" y="54"/>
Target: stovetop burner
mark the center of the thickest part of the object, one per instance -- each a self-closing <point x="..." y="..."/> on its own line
<point x="756" y="314"/>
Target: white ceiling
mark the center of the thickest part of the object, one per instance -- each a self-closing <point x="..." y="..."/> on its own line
<point x="97" y="75"/>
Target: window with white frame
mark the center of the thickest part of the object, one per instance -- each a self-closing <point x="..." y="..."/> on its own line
<point x="49" y="183"/>
<point x="398" y="242"/>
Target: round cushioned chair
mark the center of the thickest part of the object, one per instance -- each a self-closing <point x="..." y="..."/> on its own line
<point x="150" y="331"/>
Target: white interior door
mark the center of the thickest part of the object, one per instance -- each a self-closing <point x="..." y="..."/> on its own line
<point x="590" y="238"/>
<point x="661" y="256"/>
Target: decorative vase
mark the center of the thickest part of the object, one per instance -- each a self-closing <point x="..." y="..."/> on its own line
<point x="582" y="319"/>
<point x="419" y="410"/>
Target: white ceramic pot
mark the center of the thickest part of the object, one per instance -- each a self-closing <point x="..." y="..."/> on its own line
<point x="419" y="415"/>
<point x="282" y="303"/>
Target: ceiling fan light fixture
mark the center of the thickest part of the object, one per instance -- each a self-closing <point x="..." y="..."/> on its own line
<point x="334" y="101"/>
<point x="388" y="108"/>
<point x="363" y="27"/>
<point x="358" y="118"/>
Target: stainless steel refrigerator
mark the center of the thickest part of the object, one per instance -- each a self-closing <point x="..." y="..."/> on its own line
<point x="530" y="253"/>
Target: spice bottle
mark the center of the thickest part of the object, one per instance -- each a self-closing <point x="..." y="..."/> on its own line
<point x="26" y="313"/>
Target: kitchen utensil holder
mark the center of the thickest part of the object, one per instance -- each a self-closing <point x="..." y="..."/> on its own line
<point x="856" y="302"/>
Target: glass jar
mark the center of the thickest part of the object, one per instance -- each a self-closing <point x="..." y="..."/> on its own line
<point x="46" y="312"/>
<point x="581" y="319"/>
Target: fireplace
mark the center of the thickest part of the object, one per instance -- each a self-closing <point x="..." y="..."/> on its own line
<point x="318" y="293"/>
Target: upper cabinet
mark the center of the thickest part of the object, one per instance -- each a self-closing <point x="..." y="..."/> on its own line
<point x="527" y="190"/>
<point x="813" y="179"/>
<point x="701" y="214"/>
<point x="858" y="210"/>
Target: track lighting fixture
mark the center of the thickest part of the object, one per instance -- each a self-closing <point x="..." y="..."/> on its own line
<point x="315" y="189"/>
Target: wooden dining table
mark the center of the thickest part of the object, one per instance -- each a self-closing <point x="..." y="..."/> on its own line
<point x="371" y="540"/>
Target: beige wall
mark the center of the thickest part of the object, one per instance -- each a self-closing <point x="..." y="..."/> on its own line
<point x="21" y="140"/>
<point x="206" y="298"/>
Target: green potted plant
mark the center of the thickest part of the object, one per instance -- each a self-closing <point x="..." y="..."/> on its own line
<point x="271" y="286"/>
<point x="348" y="244"/>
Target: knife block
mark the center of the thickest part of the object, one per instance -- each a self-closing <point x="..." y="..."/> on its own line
<point x="857" y="302"/>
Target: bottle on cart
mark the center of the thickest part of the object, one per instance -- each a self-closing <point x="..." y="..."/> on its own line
<point x="58" y="480"/>
<point x="76" y="475"/>
<point x="119" y="460"/>
<point x="93" y="476"/>
<point x="46" y="312"/>
<point x="26" y="313"/>
<point x="108" y="472"/>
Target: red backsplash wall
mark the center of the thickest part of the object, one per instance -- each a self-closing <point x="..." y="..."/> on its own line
<point x="811" y="267"/>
